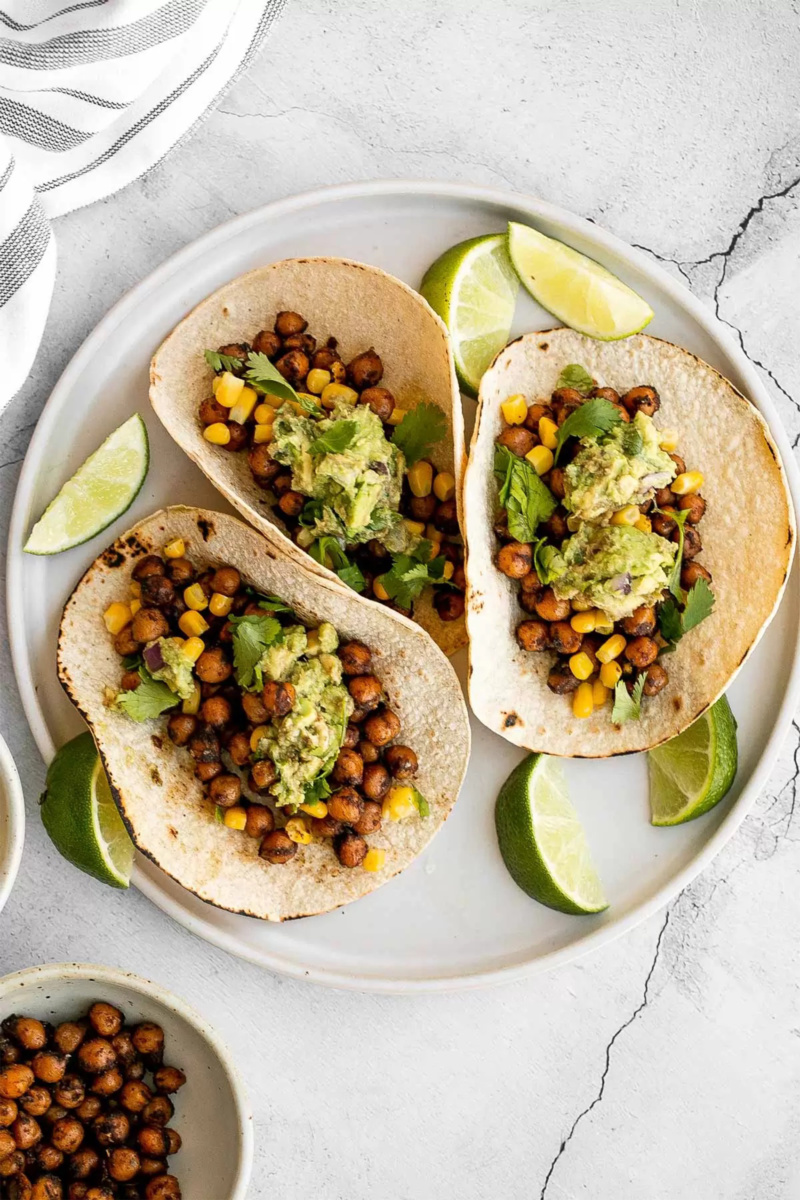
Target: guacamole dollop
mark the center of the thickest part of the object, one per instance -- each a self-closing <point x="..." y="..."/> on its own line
<point x="616" y="567"/>
<point x="177" y="670"/>
<point x="347" y="464"/>
<point x="624" y="466"/>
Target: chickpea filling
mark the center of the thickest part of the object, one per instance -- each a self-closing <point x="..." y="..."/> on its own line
<point x="599" y="526"/>
<point x="346" y="469"/>
<point x="85" y="1109"/>
<point x="291" y="733"/>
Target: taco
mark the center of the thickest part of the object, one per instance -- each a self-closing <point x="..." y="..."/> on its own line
<point x="629" y="533"/>
<point x="275" y="744"/>
<point x="319" y="396"/>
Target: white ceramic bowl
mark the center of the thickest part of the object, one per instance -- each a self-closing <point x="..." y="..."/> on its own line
<point x="212" y="1114"/>
<point x="12" y="822"/>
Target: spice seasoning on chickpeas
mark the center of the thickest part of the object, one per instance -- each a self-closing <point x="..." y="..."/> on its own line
<point x="58" y="1142"/>
<point x="347" y="469"/>
<point x="292" y="738"/>
<point x="599" y="529"/>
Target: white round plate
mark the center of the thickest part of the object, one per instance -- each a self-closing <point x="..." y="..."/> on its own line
<point x="12" y="822"/>
<point x="455" y="918"/>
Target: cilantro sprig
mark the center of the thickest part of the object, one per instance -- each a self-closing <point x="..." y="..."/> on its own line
<point x="548" y="561"/>
<point x="224" y="362"/>
<point x="627" y="705"/>
<point x="335" y="440"/>
<point x="149" y="699"/>
<point x="577" y="377"/>
<point x="348" y="572"/>
<point x="411" y="573"/>
<point x="263" y="376"/>
<point x="674" y="622"/>
<point x="419" y="430"/>
<point x="525" y="498"/>
<point x="590" y="420"/>
<point x="252" y="635"/>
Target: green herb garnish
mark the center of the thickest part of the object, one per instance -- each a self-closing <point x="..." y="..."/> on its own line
<point x="699" y="603"/>
<point x="219" y="815"/>
<point x="419" y="430"/>
<point x="632" y="441"/>
<point x="252" y="635"/>
<point x="423" y="807"/>
<point x="577" y="377"/>
<point x="627" y="705"/>
<point x="349" y="573"/>
<point x="272" y="604"/>
<point x="411" y="573"/>
<point x="675" y="575"/>
<point x="590" y="420"/>
<point x="264" y="377"/>
<point x="336" y="439"/>
<point x="548" y="562"/>
<point x="319" y="789"/>
<point x="525" y="498"/>
<point x="149" y="699"/>
<point x="224" y="362"/>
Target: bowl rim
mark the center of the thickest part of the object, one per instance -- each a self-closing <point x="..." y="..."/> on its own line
<point x="14" y="801"/>
<point x="67" y="972"/>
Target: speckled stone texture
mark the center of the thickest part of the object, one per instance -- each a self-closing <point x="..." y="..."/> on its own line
<point x="668" y="1064"/>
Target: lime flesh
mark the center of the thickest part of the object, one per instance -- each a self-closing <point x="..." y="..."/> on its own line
<point x="473" y="288"/>
<point x="542" y="841"/>
<point x="79" y="814"/>
<point x="692" y="772"/>
<point x="574" y="288"/>
<point x="101" y="490"/>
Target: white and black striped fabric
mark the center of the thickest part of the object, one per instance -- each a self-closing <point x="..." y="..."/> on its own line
<point x="93" y="94"/>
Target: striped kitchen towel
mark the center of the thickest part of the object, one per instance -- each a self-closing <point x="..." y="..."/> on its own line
<point x="92" y="94"/>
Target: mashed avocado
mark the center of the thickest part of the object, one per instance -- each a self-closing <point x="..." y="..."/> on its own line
<point x="176" y="672"/>
<point x="616" y="567"/>
<point x="278" y="660"/>
<point x="305" y="743"/>
<point x="346" y="463"/>
<point x="622" y="467"/>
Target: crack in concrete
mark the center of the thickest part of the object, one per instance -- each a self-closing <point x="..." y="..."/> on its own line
<point x="604" y="1077"/>
<point x="789" y="786"/>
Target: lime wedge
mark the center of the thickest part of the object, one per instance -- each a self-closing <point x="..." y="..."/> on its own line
<point x="79" y="813"/>
<point x="574" y="288"/>
<point x="100" y="491"/>
<point x="692" y="772"/>
<point x="473" y="288"/>
<point x="542" y="841"/>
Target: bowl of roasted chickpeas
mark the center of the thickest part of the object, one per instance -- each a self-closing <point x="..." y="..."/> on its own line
<point x="12" y="822"/>
<point x="112" y="1088"/>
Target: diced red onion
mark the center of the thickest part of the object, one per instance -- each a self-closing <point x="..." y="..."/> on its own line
<point x="621" y="583"/>
<point x="153" y="658"/>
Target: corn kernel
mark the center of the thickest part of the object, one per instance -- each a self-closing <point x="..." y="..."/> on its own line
<point x="548" y="433"/>
<point x="175" y="548"/>
<point x="420" y="478"/>
<point x="581" y="665"/>
<point x="379" y="590"/>
<point x="399" y="804"/>
<point x="687" y="484"/>
<point x="668" y="440"/>
<point x="218" y="433"/>
<point x="374" y="859"/>
<point x="581" y="604"/>
<point x="415" y="528"/>
<point x="229" y="389"/>
<point x="258" y="733"/>
<point x="583" y="622"/>
<point x="192" y="705"/>
<point x="263" y="433"/>
<point x="136" y="604"/>
<point x="304" y="396"/>
<point x="215" y="382"/>
<point x="600" y="693"/>
<point x="264" y="414"/>
<point x="219" y="605"/>
<point x="194" y="597"/>
<point x="275" y="402"/>
<point x="444" y="486"/>
<point x="338" y="391"/>
<point x="317" y="380"/>
<point x="244" y="406"/>
<point x="541" y="459"/>
<point x="136" y="588"/>
<point x="644" y="524"/>
<point x="298" y="831"/>
<point x="312" y="642"/>
<point x="582" y="701"/>
<point x="448" y="570"/>
<point x="610" y="674"/>
<point x="192" y="623"/>
<point x="193" y="647"/>
<point x="628" y="515"/>
<point x="116" y="617"/>
<point x="515" y="409"/>
<point x="235" y="818"/>
<point x="603" y="623"/>
<point x="396" y="416"/>
<point x="318" y="809"/>
<point x="612" y="648"/>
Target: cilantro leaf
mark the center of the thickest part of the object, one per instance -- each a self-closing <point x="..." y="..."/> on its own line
<point x="219" y="815"/>
<point x="149" y="699"/>
<point x="591" y="419"/>
<point x="669" y="621"/>
<point x="675" y="575"/>
<point x="627" y="706"/>
<point x="699" y="605"/>
<point x="349" y="573"/>
<point x="525" y="498"/>
<point x="547" y="561"/>
<point x="224" y="362"/>
<point x="422" y="804"/>
<point x="420" y="429"/>
<point x="340" y="435"/>
<point x="577" y="377"/>
<point x="265" y="377"/>
<point x="632" y="441"/>
<point x="132" y="662"/>
<point x="352" y="577"/>
<point x="272" y="604"/>
<point x="410" y="574"/>
<point x="251" y="637"/>
<point x="311" y="513"/>
<point x="318" y="789"/>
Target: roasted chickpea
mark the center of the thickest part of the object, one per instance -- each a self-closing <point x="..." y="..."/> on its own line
<point x="239" y="748"/>
<point x="277" y="847"/>
<point x="37" y="1100"/>
<point x="401" y="761"/>
<point x="263" y="774"/>
<point x="206" y="771"/>
<point x="67" y="1135"/>
<point x="151" y="564"/>
<point x="46" y="1187"/>
<point x="293" y="366"/>
<point x="366" y="691"/>
<point x="204" y="745"/>
<point x="534" y="415"/>
<point x="301" y="341"/>
<point x="349" y="768"/>
<point x="351" y="849"/>
<point x="680" y="464"/>
<point x="108" y="1082"/>
<point x="152" y="1166"/>
<point x="105" y="1019"/>
<point x="563" y="638"/>
<point x="533" y="635"/>
<point x="642" y="651"/>
<point x="69" y="1035"/>
<point x="124" y="1048"/>
<point x="655" y="679"/>
<point x="550" y="608"/>
<point x="562" y="681"/>
<point x="83" y="1163"/>
<point x="325" y="827"/>
<point x="565" y="395"/>
<point x="26" y="1131"/>
<point x="101" y="1192"/>
<point x="449" y="605"/>
<point x="123" y="1163"/>
<point x="282" y="484"/>
<point x="380" y="400"/>
<point x="262" y="464"/>
<point x="134" y="1096"/>
<point x="211" y="412"/>
<point x="8" y="1112"/>
<point x="376" y="782"/>
<point x="163" y="1187"/>
<point x="665" y="498"/>
<point x="152" y="1141"/>
<point x="26" y="1031"/>
<point x="48" y="1158"/>
<point x="237" y="437"/>
<point x="7" y="1143"/>
<point x="555" y="481"/>
<point x="148" y="1038"/>
<point x="556" y="526"/>
<point x="355" y="658"/>
<point x="254" y="708"/>
<point x="267" y="342"/>
<point x="212" y="666"/>
<point x="259" y="821"/>
<point x="15" y="1081"/>
<point x="663" y="523"/>
<point x="148" y="625"/>
<point x="278" y="698"/>
<point x="370" y="819"/>
<point x="69" y="1093"/>
<point x="642" y="399"/>
<point x="445" y="517"/>
<point x="345" y="805"/>
<point x="382" y="726"/>
<point x="216" y="711"/>
<point x="180" y="728"/>
<point x="641" y="622"/>
<point x="89" y="1109"/>
<point x="225" y="790"/>
<point x="691" y="572"/>
<point x="10" y="1052"/>
<point x="111" y="1129"/>
<point x="288" y="323"/>
<point x="517" y="439"/>
<point x="692" y="543"/>
<point x="226" y="581"/>
<point x="160" y="1109"/>
<point x="369" y="753"/>
<point x="158" y="591"/>
<point x="365" y="370"/>
<point x="180" y="571"/>
<point x="130" y="681"/>
<point x="174" y="1141"/>
<point x="515" y="559"/>
<point x="423" y="508"/>
<point x="169" y="1079"/>
<point x="12" y="1164"/>
<point x="696" y="506"/>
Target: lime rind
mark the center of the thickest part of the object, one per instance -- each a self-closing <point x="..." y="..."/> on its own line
<point x="101" y="490"/>
<point x="693" y="772"/>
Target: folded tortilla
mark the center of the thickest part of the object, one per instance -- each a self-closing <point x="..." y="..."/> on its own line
<point x="748" y="534"/>
<point x="359" y="305"/>
<point x="153" y="782"/>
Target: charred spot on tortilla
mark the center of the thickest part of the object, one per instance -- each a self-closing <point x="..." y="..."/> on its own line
<point x="543" y="345"/>
<point x="205" y="527"/>
<point x="113" y="558"/>
<point x="511" y="719"/>
<point x="677" y="703"/>
<point x="173" y="831"/>
<point x="155" y="775"/>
